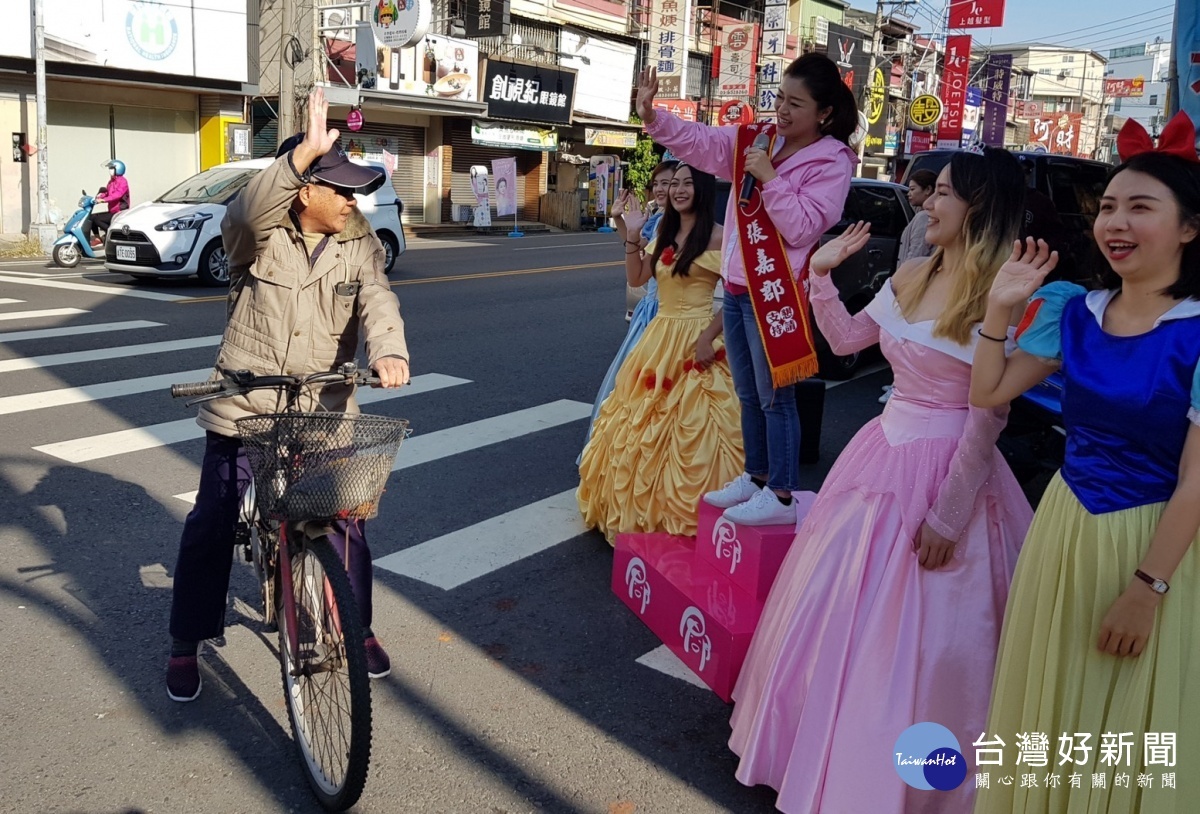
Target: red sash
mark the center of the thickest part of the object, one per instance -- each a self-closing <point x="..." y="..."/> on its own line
<point x="780" y="305"/>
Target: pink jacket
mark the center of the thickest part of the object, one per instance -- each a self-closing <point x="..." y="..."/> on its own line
<point x="118" y="188"/>
<point x="803" y="201"/>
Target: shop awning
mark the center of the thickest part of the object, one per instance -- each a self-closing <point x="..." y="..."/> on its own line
<point x="603" y="124"/>
<point x="419" y="104"/>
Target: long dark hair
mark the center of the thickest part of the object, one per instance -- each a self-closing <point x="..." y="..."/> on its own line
<point x="823" y="80"/>
<point x="1183" y="179"/>
<point x="704" y="196"/>
<point x="993" y="187"/>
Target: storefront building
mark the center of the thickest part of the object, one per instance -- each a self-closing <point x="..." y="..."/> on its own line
<point x="152" y="84"/>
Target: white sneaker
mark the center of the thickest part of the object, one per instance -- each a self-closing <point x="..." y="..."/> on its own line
<point x="738" y="490"/>
<point x="764" y="509"/>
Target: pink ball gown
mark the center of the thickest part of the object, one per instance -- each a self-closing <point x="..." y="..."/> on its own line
<point x="857" y="641"/>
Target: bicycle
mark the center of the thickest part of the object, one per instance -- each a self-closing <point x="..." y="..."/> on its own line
<point x="308" y="470"/>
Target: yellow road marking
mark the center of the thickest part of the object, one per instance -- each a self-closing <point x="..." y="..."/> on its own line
<point x="450" y="278"/>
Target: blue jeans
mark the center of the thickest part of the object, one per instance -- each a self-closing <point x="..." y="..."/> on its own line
<point x="770" y="423"/>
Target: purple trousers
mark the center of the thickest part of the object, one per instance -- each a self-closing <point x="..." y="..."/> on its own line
<point x="206" y="547"/>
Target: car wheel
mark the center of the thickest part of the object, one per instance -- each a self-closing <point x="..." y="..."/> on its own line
<point x="66" y="255"/>
<point x="214" y="265"/>
<point x="391" y="249"/>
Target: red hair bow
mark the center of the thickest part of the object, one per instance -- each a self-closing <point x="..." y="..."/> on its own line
<point x="1178" y="139"/>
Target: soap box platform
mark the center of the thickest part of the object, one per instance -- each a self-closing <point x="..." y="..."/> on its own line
<point x="703" y="597"/>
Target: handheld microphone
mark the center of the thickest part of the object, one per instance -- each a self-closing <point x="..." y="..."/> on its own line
<point x="761" y="142"/>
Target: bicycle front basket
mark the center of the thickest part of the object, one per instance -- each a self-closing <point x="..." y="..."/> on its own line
<point x="321" y="466"/>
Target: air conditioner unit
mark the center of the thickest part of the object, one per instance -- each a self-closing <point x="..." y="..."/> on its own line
<point x="337" y="24"/>
<point x="821" y="30"/>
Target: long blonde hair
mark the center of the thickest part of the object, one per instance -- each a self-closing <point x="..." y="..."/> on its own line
<point x="993" y="186"/>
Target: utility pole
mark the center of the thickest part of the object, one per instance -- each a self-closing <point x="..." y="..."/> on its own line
<point x="876" y="47"/>
<point x="287" y="73"/>
<point x="42" y="230"/>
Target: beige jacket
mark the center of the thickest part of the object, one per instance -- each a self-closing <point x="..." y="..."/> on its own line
<point x="286" y="317"/>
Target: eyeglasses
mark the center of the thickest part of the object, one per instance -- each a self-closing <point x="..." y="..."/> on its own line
<point x="345" y="192"/>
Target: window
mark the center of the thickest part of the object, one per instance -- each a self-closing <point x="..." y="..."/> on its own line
<point x="1068" y="58"/>
<point x="1117" y="104"/>
<point x="1045" y="71"/>
<point x="1153" y="99"/>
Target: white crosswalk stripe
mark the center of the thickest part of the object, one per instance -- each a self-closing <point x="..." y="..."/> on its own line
<point x="7" y="301"/>
<point x="94" y="392"/>
<point x="77" y="357"/>
<point x="121" y="442"/>
<point x="78" y="330"/>
<point x="423" y="449"/>
<point x="461" y="556"/>
<point x="9" y="316"/>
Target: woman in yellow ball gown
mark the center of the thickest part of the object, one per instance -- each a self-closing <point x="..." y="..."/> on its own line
<point x="671" y="429"/>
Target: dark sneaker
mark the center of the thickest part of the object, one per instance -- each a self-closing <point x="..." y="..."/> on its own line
<point x="183" y="678"/>
<point x="378" y="663"/>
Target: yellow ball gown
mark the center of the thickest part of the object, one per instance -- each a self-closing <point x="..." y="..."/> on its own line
<point x="668" y="432"/>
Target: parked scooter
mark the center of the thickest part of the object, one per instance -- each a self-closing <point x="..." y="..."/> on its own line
<point x="74" y="243"/>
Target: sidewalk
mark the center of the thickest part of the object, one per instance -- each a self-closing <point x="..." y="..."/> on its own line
<point x="500" y="226"/>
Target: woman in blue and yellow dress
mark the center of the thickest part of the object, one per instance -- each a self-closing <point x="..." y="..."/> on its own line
<point x="670" y="430"/>
<point x="1094" y="647"/>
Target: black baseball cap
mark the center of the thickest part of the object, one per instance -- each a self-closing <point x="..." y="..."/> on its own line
<point x="336" y="168"/>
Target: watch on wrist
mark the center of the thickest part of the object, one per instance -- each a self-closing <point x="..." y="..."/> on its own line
<point x="1159" y="586"/>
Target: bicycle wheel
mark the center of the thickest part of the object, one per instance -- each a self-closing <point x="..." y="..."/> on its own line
<point x="326" y="686"/>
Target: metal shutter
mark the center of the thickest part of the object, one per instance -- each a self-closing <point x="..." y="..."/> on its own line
<point x="408" y="145"/>
<point x="468" y="153"/>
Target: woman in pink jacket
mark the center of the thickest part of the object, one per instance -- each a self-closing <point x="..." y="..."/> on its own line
<point x="803" y="177"/>
<point x="116" y="195"/>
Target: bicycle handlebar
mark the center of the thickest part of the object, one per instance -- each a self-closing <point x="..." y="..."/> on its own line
<point x="243" y="381"/>
<point x="196" y="389"/>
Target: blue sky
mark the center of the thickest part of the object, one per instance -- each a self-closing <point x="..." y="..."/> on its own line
<point x="1097" y="24"/>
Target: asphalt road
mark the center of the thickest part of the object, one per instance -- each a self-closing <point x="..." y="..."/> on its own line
<point x="516" y="684"/>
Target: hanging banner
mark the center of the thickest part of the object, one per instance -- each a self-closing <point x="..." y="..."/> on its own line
<point x="1185" y="50"/>
<point x="668" y="45"/>
<point x="954" y="90"/>
<point x="400" y="23"/>
<point x="997" y="77"/>
<point x="626" y="139"/>
<point x="505" y="170"/>
<point x="739" y="56"/>
<point x="483" y="207"/>
<point x="976" y="13"/>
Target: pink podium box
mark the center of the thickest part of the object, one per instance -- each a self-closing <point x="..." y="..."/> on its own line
<point x="749" y="556"/>
<point x="695" y="610"/>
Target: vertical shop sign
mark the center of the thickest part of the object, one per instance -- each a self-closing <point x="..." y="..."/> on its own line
<point x="774" y="46"/>
<point x="954" y="89"/>
<point x="738" y="60"/>
<point x="668" y="46"/>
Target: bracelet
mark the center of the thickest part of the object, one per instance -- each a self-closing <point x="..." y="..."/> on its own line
<point x="632" y="243"/>
<point x="985" y="336"/>
<point x="635" y="251"/>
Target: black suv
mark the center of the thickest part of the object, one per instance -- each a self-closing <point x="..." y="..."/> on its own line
<point x="1061" y="206"/>
<point x="885" y="206"/>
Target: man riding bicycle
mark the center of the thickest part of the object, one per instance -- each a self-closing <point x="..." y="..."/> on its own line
<point x="306" y="273"/>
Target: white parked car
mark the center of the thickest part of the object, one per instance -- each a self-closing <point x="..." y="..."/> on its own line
<point x="179" y="234"/>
